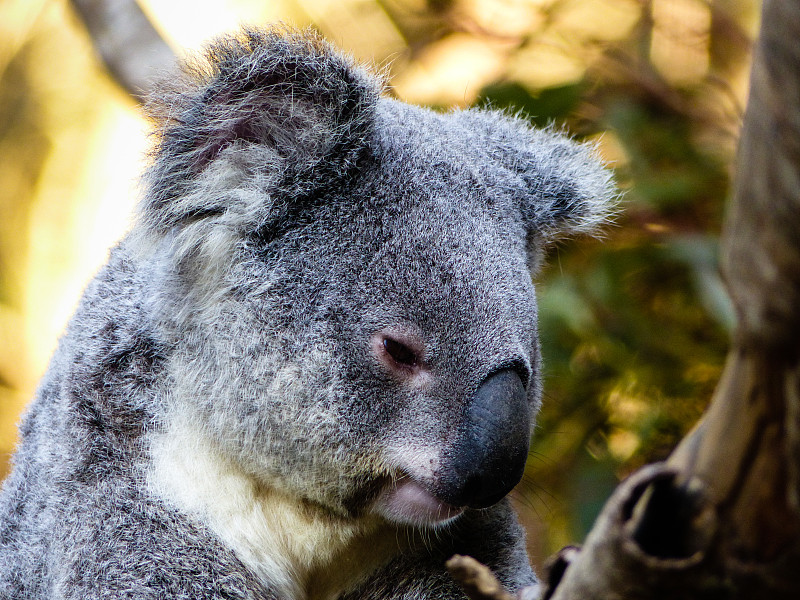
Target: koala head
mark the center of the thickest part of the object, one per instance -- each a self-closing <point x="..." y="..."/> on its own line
<point x="345" y="279"/>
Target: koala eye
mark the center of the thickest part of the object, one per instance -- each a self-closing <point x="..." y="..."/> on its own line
<point x="400" y="352"/>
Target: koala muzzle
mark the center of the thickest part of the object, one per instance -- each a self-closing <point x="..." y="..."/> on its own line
<point x="488" y="458"/>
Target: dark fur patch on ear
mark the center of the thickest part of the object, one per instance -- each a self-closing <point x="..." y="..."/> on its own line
<point x="290" y="93"/>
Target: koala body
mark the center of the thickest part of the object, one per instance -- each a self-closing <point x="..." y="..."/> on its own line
<point x="312" y="368"/>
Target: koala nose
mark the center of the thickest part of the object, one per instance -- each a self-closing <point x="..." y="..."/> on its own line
<point x="488" y="458"/>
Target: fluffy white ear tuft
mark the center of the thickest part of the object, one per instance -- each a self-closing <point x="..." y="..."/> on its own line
<point x="561" y="187"/>
<point x="570" y="190"/>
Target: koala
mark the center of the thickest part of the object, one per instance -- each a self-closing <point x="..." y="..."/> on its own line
<point x="311" y="369"/>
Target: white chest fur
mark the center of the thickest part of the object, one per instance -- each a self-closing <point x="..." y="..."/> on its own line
<point x="300" y="551"/>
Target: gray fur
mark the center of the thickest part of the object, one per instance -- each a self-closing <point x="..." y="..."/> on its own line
<point x="291" y="212"/>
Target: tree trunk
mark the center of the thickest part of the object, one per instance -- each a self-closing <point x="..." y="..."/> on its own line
<point x="721" y="518"/>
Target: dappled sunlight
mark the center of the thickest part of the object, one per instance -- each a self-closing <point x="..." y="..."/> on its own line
<point x="451" y="71"/>
<point x="546" y="62"/>
<point x="361" y="26"/>
<point x="506" y="18"/>
<point x="680" y="47"/>
<point x="188" y="24"/>
<point x="597" y="20"/>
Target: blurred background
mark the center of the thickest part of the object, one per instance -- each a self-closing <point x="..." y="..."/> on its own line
<point x="634" y="327"/>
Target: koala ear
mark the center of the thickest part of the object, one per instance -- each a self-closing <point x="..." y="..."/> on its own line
<point x="568" y="189"/>
<point x="282" y="108"/>
<point x="560" y="187"/>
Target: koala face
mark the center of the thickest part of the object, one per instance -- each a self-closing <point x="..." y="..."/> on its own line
<point x="443" y="354"/>
<point x="357" y="322"/>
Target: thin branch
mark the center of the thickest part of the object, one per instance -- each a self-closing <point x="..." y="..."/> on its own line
<point x="130" y="46"/>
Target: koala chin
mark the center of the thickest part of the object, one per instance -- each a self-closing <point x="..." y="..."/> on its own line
<point x="312" y="368"/>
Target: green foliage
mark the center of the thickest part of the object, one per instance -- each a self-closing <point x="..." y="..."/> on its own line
<point x="543" y="107"/>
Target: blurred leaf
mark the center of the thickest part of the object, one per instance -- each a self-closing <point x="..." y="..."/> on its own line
<point x="701" y="254"/>
<point x="593" y="483"/>
<point x="542" y="108"/>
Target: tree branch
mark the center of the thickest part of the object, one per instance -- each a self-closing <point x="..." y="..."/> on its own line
<point x="131" y="48"/>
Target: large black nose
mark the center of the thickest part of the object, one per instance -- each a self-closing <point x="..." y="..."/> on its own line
<point x="488" y="458"/>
